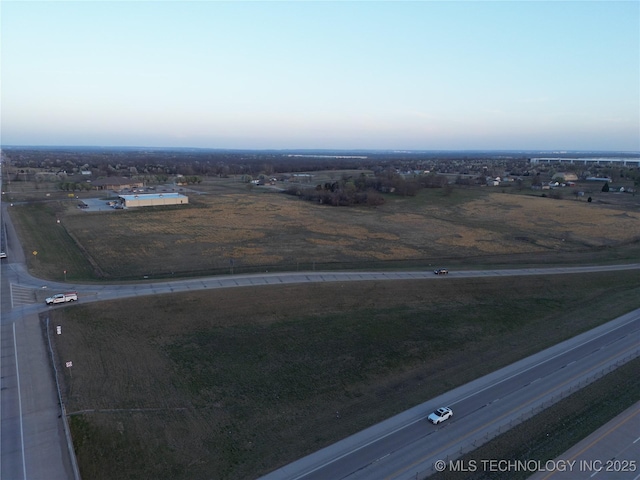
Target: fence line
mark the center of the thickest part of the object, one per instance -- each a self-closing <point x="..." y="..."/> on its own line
<point x="63" y="410"/>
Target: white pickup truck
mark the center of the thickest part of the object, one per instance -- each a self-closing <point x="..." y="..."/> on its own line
<point x="62" y="298"/>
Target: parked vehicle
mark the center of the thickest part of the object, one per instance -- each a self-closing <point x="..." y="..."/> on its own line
<point x="440" y="415"/>
<point x="3" y="255"/>
<point x="62" y="298"/>
<point x="441" y="271"/>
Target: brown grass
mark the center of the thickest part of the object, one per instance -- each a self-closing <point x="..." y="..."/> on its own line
<point x="254" y="229"/>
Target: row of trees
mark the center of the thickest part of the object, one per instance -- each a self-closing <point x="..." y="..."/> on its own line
<point x="338" y="198"/>
<point x="74" y="186"/>
<point x="127" y="161"/>
<point x="189" y="180"/>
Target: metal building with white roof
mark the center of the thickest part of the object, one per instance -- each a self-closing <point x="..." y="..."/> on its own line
<point x="153" y="199"/>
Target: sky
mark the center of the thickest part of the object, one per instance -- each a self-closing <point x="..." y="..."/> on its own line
<point x="414" y="75"/>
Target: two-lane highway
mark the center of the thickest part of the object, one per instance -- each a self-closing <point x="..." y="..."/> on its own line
<point x="407" y="445"/>
<point x="99" y="292"/>
<point x="32" y="441"/>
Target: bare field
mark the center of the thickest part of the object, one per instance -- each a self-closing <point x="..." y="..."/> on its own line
<point x="231" y="226"/>
<point x="232" y="384"/>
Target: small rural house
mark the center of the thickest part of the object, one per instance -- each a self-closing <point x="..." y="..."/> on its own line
<point x="116" y="183"/>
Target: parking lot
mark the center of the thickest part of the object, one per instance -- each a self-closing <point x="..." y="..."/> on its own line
<point x="96" y="205"/>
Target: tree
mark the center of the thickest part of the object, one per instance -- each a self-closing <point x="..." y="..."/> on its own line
<point x="537" y="180"/>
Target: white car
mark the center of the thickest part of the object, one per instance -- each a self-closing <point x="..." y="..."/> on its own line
<point x="440" y="415"/>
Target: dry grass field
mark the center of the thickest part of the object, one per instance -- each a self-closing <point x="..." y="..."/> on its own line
<point x="229" y="225"/>
<point x="232" y="384"/>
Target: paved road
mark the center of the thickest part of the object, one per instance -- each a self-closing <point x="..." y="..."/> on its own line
<point x="97" y="292"/>
<point x="33" y="442"/>
<point x="408" y="447"/>
<point x="612" y="451"/>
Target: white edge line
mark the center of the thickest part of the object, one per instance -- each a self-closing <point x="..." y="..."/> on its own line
<point x="548" y="359"/>
<point x="360" y="447"/>
<point x="15" y="351"/>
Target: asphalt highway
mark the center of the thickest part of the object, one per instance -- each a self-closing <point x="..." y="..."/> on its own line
<point x="408" y="447"/>
<point x="99" y="292"/>
<point x="612" y="451"/>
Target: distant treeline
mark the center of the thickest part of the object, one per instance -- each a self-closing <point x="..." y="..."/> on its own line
<point x="367" y="190"/>
<point x="190" y="162"/>
<point x="153" y="164"/>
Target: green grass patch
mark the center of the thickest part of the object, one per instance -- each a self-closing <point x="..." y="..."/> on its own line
<point x="232" y="384"/>
<point x="49" y="247"/>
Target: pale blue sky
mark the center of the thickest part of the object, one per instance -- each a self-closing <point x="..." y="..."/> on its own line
<point x="317" y="74"/>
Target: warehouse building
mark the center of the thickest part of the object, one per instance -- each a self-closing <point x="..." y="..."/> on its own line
<point x="153" y="199"/>
<point x="625" y="162"/>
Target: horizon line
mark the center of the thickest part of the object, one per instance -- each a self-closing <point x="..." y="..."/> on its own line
<point x="325" y="149"/>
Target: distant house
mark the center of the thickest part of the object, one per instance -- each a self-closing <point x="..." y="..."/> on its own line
<point x="301" y="177"/>
<point x="116" y="183"/>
